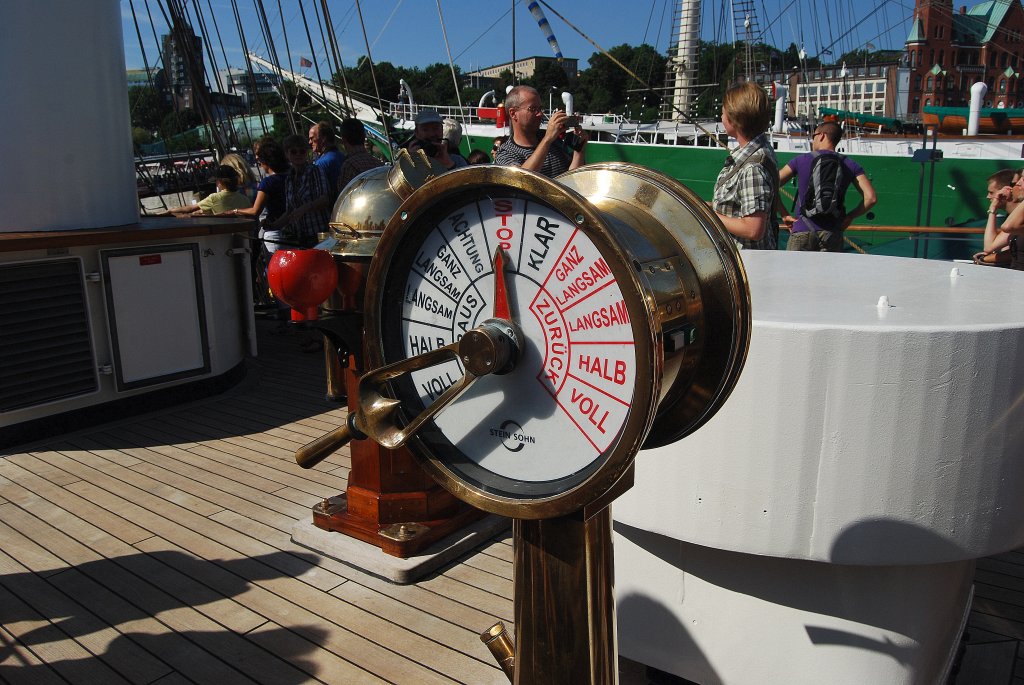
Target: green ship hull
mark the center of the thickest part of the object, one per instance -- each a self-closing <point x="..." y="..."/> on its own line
<point x="908" y="195"/>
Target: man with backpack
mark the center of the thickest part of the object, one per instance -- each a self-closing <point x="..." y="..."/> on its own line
<point x="823" y="176"/>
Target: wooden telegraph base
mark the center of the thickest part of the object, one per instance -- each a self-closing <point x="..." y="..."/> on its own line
<point x="390" y="502"/>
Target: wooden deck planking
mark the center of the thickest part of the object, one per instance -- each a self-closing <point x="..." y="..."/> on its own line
<point x="157" y="550"/>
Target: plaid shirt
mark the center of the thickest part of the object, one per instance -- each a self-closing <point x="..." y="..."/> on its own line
<point x="302" y="186"/>
<point x="355" y="164"/>
<point x="746" y="185"/>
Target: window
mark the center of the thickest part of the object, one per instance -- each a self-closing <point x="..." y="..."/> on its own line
<point x="812" y="90"/>
<point x="942" y="56"/>
<point x="880" y="88"/>
<point x="1002" y="86"/>
<point x="917" y="81"/>
<point x="868" y="87"/>
<point x="928" y="102"/>
<point x="856" y="89"/>
<point x="835" y="89"/>
<point x="916" y="106"/>
<point x="929" y="83"/>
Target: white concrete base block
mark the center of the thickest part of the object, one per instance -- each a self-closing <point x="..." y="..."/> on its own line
<point x="713" y="616"/>
<point x="371" y="559"/>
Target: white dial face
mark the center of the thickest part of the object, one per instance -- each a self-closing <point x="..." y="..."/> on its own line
<point x="569" y="396"/>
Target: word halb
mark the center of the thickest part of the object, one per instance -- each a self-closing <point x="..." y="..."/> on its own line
<point x="418" y="344"/>
<point x="612" y="370"/>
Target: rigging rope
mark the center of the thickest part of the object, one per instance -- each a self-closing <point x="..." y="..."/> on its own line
<point x="227" y="65"/>
<point x="253" y="91"/>
<point x="204" y="34"/>
<point x="147" y="177"/>
<point x="323" y="40"/>
<point x="451" y="64"/>
<point x="373" y="75"/>
<point x="312" y="56"/>
<point x="261" y="13"/>
<point x="646" y="86"/>
<point x="339" y="67"/>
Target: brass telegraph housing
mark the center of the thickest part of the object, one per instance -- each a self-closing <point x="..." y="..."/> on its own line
<point x="682" y="283"/>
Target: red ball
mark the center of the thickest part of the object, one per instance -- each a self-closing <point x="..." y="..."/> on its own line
<point x="302" y="279"/>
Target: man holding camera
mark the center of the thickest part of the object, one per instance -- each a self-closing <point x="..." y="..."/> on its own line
<point x="552" y="152"/>
<point x="429" y="137"/>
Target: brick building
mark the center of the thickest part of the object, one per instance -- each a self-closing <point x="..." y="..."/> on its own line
<point x="948" y="51"/>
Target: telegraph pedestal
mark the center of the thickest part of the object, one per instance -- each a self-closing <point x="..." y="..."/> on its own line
<point x="526" y="337"/>
<point x="390" y="502"/>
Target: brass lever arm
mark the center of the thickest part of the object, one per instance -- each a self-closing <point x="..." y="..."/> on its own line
<point x="492" y="347"/>
<point x="378" y="410"/>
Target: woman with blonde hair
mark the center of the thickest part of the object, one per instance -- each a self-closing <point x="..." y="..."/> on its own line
<point x="246" y="179"/>
<point x="749" y="181"/>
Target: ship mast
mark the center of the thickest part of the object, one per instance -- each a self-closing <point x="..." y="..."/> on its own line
<point x="746" y="30"/>
<point x="682" y="72"/>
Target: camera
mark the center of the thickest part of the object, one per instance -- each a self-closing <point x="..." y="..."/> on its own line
<point x="429" y="147"/>
<point x="572" y="122"/>
<point x="573" y="141"/>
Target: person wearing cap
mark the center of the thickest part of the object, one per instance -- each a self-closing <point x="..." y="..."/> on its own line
<point x="225" y="199"/>
<point x="545" y="152"/>
<point x="429" y="137"/>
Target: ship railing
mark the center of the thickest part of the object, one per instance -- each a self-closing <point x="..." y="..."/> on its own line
<point x="407" y="112"/>
<point x="921" y="236"/>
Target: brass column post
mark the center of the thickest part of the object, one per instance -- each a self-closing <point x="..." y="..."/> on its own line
<point x="564" y="601"/>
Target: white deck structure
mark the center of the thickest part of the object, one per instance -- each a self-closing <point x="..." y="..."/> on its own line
<point x="823" y="526"/>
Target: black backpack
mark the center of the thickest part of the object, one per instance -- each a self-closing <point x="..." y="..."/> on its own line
<point x="826" y="189"/>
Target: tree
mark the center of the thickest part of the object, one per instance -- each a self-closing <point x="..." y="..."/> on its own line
<point x="147" y="107"/>
<point x="141" y="136"/>
<point x="862" y="57"/>
<point x="175" y="123"/>
<point x="550" y="79"/>
<point x="606" y="87"/>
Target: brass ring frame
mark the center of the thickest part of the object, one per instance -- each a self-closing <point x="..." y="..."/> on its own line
<point x="470" y="182"/>
<point x="666" y="211"/>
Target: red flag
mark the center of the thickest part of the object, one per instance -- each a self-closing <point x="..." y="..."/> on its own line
<point x="303" y="62"/>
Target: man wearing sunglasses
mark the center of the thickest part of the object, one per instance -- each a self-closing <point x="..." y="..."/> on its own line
<point x="823" y="233"/>
<point x="545" y="152"/>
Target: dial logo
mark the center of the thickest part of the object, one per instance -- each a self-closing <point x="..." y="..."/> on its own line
<point x="512" y="436"/>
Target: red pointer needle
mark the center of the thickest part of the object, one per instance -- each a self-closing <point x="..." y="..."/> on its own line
<point x="501" y="308"/>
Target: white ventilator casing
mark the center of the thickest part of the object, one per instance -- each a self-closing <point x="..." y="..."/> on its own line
<point x="69" y="167"/>
<point x="871" y="447"/>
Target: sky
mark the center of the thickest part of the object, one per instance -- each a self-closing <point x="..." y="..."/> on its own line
<point x="409" y="33"/>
